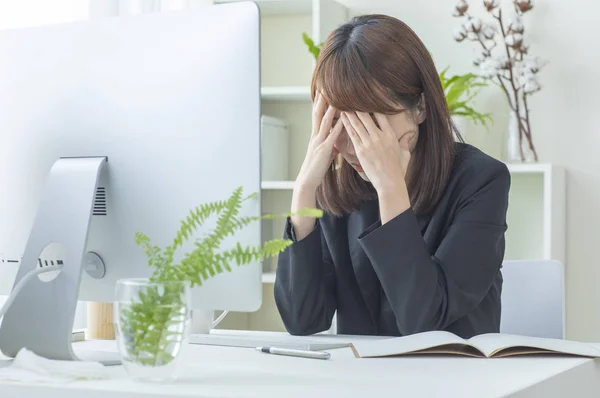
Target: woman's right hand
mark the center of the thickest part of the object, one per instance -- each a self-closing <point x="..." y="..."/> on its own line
<point x="321" y="150"/>
<point x="319" y="156"/>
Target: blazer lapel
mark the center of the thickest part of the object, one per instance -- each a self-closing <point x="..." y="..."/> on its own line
<point x="367" y="279"/>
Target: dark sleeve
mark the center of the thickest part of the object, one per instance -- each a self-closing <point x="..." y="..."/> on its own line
<point x="431" y="292"/>
<point x="305" y="284"/>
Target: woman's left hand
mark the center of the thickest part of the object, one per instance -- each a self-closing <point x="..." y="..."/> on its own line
<point x="382" y="156"/>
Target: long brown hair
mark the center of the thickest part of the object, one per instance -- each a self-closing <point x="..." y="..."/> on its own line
<point x="376" y="63"/>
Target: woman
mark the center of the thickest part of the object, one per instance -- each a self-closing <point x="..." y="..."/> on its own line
<point x="412" y="237"/>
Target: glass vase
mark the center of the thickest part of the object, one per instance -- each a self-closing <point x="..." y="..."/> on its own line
<point x="517" y="149"/>
<point x="152" y="323"/>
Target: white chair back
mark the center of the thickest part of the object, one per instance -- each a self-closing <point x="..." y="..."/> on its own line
<point x="533" y="298"/>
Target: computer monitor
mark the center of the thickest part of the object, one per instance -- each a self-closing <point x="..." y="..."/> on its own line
<point x="128" y="123"/>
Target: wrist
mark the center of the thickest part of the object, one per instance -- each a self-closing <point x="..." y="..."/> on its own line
<point x="393" y="201"/>
<point x="303" y="197"/>
<point x="393" y="190"/>
<point x="304" y="188"/>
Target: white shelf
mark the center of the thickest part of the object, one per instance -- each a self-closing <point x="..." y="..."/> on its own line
<point x="533" y="168"/>
<point x="277" y="185"/>
<point x="285" y="93"/>
<point x="268" y="277"/>
<point x="529" y="168"/>
<point x="279" y="7"/>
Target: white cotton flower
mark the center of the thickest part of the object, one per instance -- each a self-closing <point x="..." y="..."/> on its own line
<point x="527" y="79"/>
<point x="516" y="25"/>
<point x="533" y="64"/>
<point x="460" y="8"/>
<point x="488" y="31"/>
<point x="502" y="62"/>
<point x="473" y="36"/>
<point x="479" y="59"/>
<point x="524" y="5"/>
<point x="460" y="33"/>
<point x="524" y="78"/>
<point x="490" y="4"/>
<point x="489" y="67"/>
<point x="474" y="25"/>
<point x="514" y="40"/>
<point x="531" y="86"/>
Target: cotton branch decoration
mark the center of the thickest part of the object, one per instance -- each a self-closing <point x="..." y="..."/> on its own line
<point x="505" y="58"/>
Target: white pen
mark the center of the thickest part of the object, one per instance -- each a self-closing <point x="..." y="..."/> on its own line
<point x="294" y="353"/>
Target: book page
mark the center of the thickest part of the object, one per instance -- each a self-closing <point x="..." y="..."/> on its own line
<point x="452" y="349"/>
<point x="494" y="344"/>
<point x="409" y="344"/>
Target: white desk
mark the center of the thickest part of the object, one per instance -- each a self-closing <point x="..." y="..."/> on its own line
<point x="210" y="371"/>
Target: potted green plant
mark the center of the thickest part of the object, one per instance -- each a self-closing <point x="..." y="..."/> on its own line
<point x="460" y="90"/>
<point x="152" y="314"/>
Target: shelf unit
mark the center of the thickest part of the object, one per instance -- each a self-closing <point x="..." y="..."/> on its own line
<point x="277" y="185"/>
<point x="537" y="212"/>
<point x="285" y="93"/>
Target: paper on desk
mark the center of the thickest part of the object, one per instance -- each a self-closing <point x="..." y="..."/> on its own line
<point x="29" y="367"/>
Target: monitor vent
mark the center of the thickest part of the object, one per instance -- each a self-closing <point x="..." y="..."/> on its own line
<point x="100" y="202"/>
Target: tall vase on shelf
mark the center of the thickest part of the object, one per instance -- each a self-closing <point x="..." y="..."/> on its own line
<point x="505" y="58"/>
<point x="519" y="149"/>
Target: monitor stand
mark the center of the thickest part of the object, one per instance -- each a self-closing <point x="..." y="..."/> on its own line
<point x="203" y="321"/>
<point x="42" y="315"/>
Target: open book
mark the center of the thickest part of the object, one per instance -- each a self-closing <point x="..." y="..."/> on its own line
<point x="491" y="345"/>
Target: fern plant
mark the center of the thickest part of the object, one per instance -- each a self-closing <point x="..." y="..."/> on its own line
<point x="150" y="323"/>
<point x="460" y="90"/>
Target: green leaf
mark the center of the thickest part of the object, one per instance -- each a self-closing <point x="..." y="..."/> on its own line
<point x="460" y="92"/>
<point x="312" y="48"/>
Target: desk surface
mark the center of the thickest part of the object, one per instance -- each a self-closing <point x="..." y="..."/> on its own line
<point x="209" y="371"/>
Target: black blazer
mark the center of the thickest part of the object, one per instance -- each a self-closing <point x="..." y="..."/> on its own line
<point x="418" y="272"/>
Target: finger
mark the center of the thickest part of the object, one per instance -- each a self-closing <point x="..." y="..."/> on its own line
<point x="336" y="130"/>
<point x="319" y="109"/>
<point x="406" y="140"/>
<point x="384" y="123"/>
<point x="333" y="136"/>
<point x="354" y="137"/>
<point x="326" y="123"/>
<point x="358" y="126"/>
<point x="368" y="122"/>
<point x="334" y="153"/>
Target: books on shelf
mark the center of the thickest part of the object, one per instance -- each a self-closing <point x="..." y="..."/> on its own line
<point x="491" y="345"/>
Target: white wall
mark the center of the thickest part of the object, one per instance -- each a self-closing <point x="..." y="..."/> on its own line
<point x="565" y="124"/>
